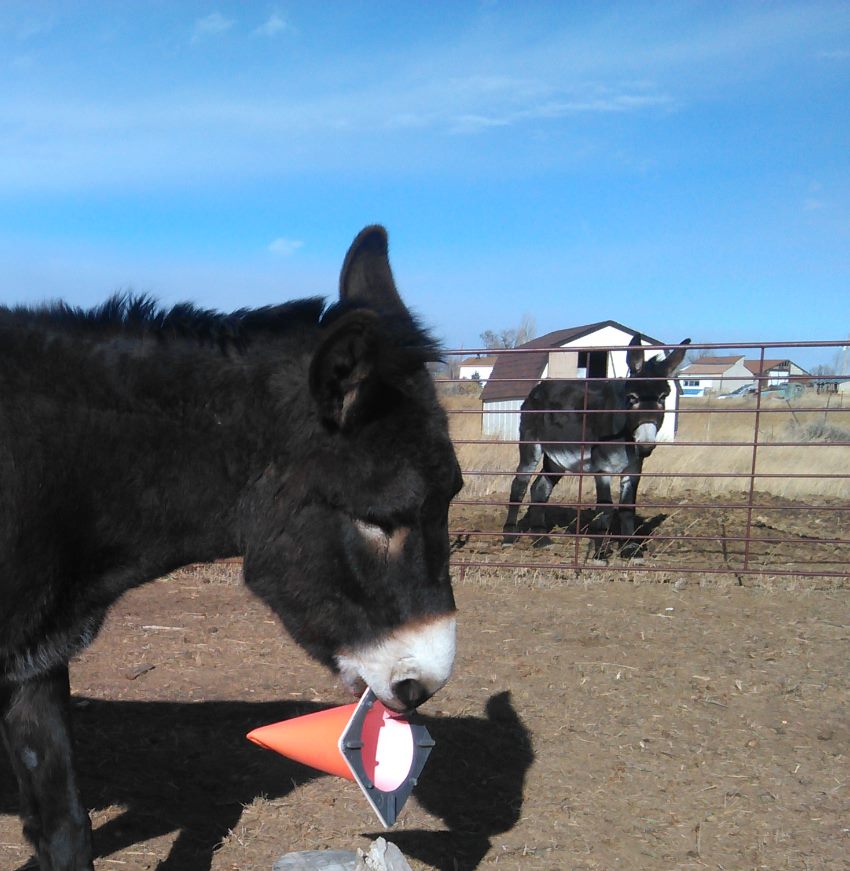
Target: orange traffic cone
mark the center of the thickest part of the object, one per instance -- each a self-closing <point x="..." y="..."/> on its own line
<point x="312" y="739"/>
<point x="381" y="751"/>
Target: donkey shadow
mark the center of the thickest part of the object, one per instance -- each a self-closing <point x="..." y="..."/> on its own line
<point x="188" y="768"/>
<point x="590" y="523"/>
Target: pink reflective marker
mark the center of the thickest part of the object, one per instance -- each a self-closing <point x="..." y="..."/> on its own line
<point x="387" y="748"/>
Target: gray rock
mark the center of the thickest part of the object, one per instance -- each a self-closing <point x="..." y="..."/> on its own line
<point x="382" y="856"/>
<point x="317" y="860"/>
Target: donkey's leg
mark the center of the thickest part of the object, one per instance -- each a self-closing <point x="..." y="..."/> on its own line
<point x="529" y="457"/>
<point x="626" y="511"/>
<point x="541" y="490"/>
<point x="35" y="718"/>
<point x="603" y="517"/>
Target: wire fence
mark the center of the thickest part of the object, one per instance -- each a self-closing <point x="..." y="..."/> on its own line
<point x="749" y="480"/>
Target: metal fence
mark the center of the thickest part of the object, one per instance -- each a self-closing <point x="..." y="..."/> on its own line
<point x="753" y="485"/>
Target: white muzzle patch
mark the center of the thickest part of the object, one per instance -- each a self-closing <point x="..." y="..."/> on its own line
<point x="423" y="651"/>
<point x="646" y="433"/>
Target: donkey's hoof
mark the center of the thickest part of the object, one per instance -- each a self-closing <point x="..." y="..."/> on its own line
<point x="632" y="552"/>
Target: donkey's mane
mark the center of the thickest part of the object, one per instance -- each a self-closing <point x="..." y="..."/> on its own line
<point x="140" y="315"/>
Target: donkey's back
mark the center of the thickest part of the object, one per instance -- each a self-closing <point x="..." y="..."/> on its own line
<point x="566" y="417"/>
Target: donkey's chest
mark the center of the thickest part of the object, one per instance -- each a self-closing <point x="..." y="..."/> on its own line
<point x="610" y="459"/>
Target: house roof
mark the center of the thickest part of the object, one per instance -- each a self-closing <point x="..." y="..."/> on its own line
<point x="698" y="368"/>
<point x="478" y="361"/>
<point x="517" y="370"/>
<point x="724" y="361"/>
<point x="759" y="367"/>
<point x="708" y="365"/>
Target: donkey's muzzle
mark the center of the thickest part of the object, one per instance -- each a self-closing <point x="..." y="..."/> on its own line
<point x="407" y="666"/>
<point x="645" y="436"/>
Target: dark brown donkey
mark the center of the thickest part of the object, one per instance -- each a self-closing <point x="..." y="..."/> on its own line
<point x="135" y="440"/>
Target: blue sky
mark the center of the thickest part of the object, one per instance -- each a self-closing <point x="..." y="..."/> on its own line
<point x="681" y="167"/>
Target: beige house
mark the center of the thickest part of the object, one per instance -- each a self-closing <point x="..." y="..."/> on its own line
<point x="715" y="375"/>
<point x="722" y="375"/>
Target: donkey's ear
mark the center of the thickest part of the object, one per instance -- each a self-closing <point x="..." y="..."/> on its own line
<point x="343" y="366"/>
<point x="366" y="276"/>
<point x="675" y="357"/>
<point x="635" y="356"/>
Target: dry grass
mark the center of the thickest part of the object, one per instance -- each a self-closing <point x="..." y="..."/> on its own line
<point x="706" y="421"/>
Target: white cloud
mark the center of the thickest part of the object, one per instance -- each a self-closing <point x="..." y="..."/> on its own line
<point x="273" y="26"/>
<point x="211" y="25"/>
<point x="283" y="247"/>
<point x="393" y="108"/>
<point x="551" y="110"/>
<point x="33" y="27"/>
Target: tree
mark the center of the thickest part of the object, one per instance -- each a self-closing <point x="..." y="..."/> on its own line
<point x="510" y="338"/>
<point x="838" y="365"/>
<point x="694" y="354"/>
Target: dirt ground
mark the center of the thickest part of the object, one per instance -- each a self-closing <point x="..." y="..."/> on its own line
<point x="693" y="535"/>
<point x="591" y="724"/>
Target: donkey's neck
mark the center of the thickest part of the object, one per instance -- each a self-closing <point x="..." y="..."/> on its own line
<point x="202" y="443"/>
<point x="162" y="439"/>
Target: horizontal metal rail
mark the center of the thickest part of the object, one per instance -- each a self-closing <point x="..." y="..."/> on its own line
<point x="691" y="444"/>
<point x="819" y="409"/>
<point x="468" y="533"/>
<point x="719" y="506"/>
<point x="678" y="475"/>
<point x="694" y="346"/>
<point x="636" y="568"/>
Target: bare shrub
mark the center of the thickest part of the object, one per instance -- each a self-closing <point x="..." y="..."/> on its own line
<point x="818" y="431"/>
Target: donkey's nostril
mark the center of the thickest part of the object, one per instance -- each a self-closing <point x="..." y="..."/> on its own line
<point x="411" y="693"/>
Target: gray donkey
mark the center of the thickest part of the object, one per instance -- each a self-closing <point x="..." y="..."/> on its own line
<point x="606" y="428"/>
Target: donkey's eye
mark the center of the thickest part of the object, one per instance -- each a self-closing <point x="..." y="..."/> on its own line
<point x="632" y="398"/>
<point x="384" y="543"/>
<point x="373" y="534"/>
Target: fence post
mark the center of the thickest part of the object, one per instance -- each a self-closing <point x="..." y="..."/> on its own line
<point x="750" y="497"/>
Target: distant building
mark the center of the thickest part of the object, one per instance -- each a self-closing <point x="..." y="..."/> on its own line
<point x="720" y="375"/>
<point x="715" y="375"/>
<point x="775" y="373"/>
<point x="476" y="368"/>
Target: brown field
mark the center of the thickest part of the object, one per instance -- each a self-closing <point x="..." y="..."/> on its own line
<point x="588" y="727"/>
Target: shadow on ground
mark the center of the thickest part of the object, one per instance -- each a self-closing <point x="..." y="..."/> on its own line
<point x="559" y="524"/>
<point x="188" y="768"/>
